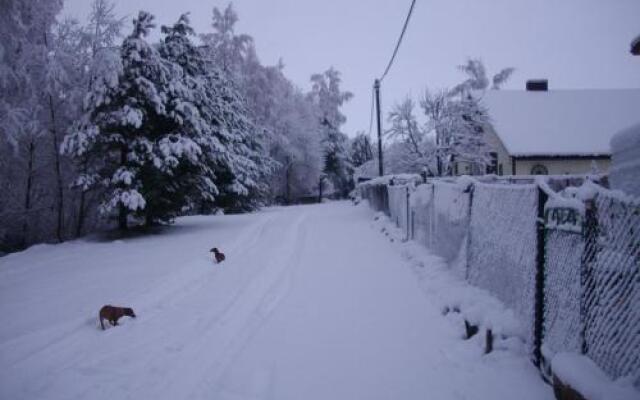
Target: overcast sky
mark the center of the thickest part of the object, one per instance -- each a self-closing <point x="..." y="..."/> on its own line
<point x="573" y="43"/>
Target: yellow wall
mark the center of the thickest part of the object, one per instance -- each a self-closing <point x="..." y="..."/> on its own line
<point x="496" y="144"/>
<point x="562" y="166"/>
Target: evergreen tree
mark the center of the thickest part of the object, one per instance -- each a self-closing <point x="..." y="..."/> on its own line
<point x="144" y="128"/>
<point x="328" y="97"/>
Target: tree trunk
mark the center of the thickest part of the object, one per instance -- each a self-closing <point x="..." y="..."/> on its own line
<point x="148" y="221"/>
<point x="56" y="153"/>
<point x="81" y="214"/>
<point x="122" y="218"/>
<point x="81" y="211"/>
<point x="122" y="210"/>
<point x="288" y="188"/>
<point x="27" y="200"/>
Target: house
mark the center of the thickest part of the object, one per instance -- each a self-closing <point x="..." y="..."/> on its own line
<point x="540" y="131"/>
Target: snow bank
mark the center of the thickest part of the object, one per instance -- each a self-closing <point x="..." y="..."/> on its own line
<point x="625" y="161"/>
<point x="456" y="298"/>
<point x="399" y="179"/>
<point x="582" y="374"/>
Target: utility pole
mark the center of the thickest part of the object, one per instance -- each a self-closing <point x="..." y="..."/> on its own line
<point x="376" y="87"/>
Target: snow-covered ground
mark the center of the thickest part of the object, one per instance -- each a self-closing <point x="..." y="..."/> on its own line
<point x="311" y="303"/>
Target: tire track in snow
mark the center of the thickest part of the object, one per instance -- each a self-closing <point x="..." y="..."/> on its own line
<point x="174" y="290"/>
<point x="227" y="334"/>
<point x="73" y="334"/>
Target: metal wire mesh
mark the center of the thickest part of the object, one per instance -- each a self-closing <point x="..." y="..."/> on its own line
<point x="422" y="215"/>
<point x="502" y="248"/>
<point x="562" y="323"/>
<point x="377" y="197"/>
<point x="398" y="206"/>
<point x="591" y="271"/>
<point x="612" y="286"/>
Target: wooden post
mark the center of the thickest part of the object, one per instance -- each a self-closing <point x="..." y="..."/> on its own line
<point x="376" y="86"/>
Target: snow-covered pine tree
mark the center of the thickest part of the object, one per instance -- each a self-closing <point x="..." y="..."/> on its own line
<point x="101" y="66"/>
<point x="194" y="101"/>
<point x="145" y="129"/>
<point x="243" y="181"/>
<point x="328" y="97"/>
<point x="233" y="157"/>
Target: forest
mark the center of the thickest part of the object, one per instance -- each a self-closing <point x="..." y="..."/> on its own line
<point x="101" y="128"/>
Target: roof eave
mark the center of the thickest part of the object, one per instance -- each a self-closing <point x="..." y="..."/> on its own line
<point x="573" y="156"/>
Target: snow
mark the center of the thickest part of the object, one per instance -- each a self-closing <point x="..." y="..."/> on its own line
<point x="582" y="374"/>
<point x="312" y="302"/>
<point x="625" y="167"/>
<point x="561" y="122"/>
<point x="398" y="179"/>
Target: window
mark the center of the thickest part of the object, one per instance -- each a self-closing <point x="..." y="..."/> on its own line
<point x="492" y="166"/>
<point x="500" y="172"/>
<point x="539" y="169"/>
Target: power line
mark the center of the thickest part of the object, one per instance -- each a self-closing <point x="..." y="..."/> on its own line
<point x="376" y="89"/>
<point x="395" y="51"/>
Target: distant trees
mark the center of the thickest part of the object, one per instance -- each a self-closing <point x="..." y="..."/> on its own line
<point x="32" y="85"/>
<point x="361" y="149"/>
<point x="328" y="98"/>
<point x="454" y="127"/>
<point x="93" y="125"/>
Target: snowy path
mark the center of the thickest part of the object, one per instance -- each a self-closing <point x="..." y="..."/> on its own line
<point x="312" y="303"/>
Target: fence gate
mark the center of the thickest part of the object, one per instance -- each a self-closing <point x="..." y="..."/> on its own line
<point x="564" y="248"/>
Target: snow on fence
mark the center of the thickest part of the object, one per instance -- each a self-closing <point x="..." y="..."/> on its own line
<point x="562" y="252"/>
<point x="502" y="250"/>
<point x="611" y="298"/>
<point x="399" y="205"/>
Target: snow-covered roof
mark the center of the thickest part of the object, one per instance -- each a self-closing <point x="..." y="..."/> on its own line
<point x="561" y="122"/>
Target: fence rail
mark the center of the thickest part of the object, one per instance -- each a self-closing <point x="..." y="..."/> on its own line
<point x="562" y="253"/>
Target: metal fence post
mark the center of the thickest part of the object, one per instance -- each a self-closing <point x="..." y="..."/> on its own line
<point x="586" y="274"/>
<point x="468" y="261"/>
<point x="538" y="328"/>
<point x="408" y="213"/>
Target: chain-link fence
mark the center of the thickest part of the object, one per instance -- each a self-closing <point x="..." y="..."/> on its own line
<point x="592" y="282"/>
<point x="502" y="246"/>
<point x="399" y="205"/>
<point x="563" y="254"/>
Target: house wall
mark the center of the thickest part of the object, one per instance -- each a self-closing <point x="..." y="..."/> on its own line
<point x="561" y="166"/>
<point x="496" y="144"/>
<point x="555" y="165"/>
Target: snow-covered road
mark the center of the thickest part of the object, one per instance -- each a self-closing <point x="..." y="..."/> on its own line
<point x="312" y="303"/>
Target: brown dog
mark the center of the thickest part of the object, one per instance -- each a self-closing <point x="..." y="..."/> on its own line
<point x="217" y="254"/>
<point x="113" y="314"/>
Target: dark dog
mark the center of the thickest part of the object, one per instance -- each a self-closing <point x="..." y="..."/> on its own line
<point x="217" y="254"/>
<point x="113" y="314"/>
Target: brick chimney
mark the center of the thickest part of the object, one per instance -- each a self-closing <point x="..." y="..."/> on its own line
<point x="537" y="85"/>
